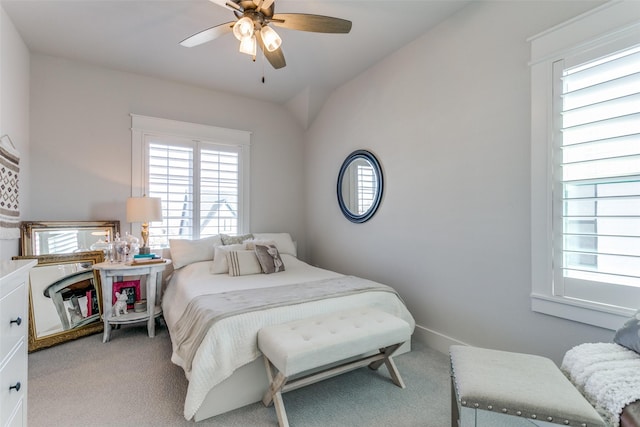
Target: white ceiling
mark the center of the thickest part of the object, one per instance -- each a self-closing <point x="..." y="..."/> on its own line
<point x="143" y="36"/>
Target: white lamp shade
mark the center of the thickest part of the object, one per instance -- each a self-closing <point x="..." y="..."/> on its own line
<point x="144" y="209"/>
<point x="270" y="38"/>
<point x="248" y="46"/>
<point x="243" y="28"/>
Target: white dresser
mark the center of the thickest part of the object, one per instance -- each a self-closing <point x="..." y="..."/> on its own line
<point x="14" y="327"/>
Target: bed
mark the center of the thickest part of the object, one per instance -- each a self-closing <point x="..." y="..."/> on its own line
<point x="213" y="319"/>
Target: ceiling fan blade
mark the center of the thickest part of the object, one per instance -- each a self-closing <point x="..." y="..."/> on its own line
<point x="208" y="35"/>
<point x="228" y="4"/>
<point x="313" y="23"/>
<point x="265" y="3"/>
<point x="275" y="58"/>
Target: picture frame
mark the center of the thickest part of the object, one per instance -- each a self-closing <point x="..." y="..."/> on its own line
<point x="131" y="287"/>
<point x="65" y="298"/>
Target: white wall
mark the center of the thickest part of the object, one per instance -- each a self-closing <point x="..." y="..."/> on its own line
<point x="81" y="142"/>
<point x="448" y="117"/>
<point x="14" y="112"/>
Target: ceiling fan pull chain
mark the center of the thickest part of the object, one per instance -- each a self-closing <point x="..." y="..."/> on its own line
<point x="262" y="59"/>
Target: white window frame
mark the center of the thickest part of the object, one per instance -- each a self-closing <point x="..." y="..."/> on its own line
<point x="142" y="126"/>
<point x="612" y="24"/>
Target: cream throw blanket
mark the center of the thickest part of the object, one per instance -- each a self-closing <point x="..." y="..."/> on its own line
<point x="607" y="374"/>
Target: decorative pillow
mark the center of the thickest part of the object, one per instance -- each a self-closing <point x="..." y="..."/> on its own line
<point x="629" y="334"/>
<point x="234" y="240"/>
<point x="283" y="242"/>
<point x="251" y="243"/>
<point x="242" y="263"/>
<point x="185" y="252"/>
<point x="219" y="264"/>
<point x="269" y="258"/>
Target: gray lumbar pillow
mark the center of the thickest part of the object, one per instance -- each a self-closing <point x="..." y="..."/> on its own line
<point x="629" y="335"/>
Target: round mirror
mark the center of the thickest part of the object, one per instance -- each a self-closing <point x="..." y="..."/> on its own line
<point x="359" y="186"/>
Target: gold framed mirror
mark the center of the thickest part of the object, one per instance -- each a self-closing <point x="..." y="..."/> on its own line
<point x="63" y="237"/>
<point x="65" y="298"/>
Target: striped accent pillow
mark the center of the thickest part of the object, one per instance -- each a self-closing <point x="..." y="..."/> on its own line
<point x="242" y="263"/>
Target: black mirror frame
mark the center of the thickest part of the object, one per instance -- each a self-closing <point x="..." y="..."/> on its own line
<point x="367" y="155"/>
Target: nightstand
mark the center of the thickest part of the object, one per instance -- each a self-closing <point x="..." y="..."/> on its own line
<point x="110" y="270"/>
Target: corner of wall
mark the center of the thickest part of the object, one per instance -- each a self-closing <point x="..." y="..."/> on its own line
<point x="306" y="105"/>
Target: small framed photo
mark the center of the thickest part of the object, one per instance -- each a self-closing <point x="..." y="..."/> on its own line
<point x="129" y="287"/>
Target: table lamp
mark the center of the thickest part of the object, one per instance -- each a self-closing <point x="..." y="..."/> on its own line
<point x="144" y="210"/>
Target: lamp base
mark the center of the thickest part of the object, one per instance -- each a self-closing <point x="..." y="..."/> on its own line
<point x="145" y="250"/>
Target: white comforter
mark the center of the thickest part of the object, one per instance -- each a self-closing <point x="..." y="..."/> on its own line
<point x="231" y="342"/>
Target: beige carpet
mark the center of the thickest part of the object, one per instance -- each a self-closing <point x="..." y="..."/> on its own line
<point x="131" y="381"/>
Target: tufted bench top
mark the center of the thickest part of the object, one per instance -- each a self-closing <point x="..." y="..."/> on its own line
<point x="518" y="384"/>
<point x="305" y="344"/>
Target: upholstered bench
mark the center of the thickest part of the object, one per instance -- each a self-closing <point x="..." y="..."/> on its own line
<point x="312" y="349"/>
<point x="491" y="388"/>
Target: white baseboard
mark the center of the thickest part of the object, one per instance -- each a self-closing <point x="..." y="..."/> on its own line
<point x="435" y="340"/>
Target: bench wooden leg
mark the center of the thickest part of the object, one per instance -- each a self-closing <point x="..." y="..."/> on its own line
<point x="275" y="383"/>
<point x="390" y="364"/>
<point x="274" y="393"/>
<point x="280" y="412"/>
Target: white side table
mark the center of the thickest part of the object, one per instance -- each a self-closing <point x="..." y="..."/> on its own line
<point x="109" y="270"/>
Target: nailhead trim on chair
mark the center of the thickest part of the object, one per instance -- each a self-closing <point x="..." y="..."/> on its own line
<point x="518" y="413"/>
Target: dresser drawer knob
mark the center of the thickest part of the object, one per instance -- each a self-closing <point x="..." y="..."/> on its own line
<point x="18" y="321"/>
<point x="17" y="386"/>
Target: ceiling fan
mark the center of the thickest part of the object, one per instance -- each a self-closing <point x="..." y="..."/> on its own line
<point x="252" y="28"/>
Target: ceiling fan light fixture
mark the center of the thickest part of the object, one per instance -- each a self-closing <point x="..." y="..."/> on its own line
<point x="248" y="45"/>
<point x="253" y="23"/>
<point x="243" y="28"/>
<point x="270" y="38"/>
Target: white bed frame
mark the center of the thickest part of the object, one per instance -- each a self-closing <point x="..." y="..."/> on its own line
<point x="247" y="385"/>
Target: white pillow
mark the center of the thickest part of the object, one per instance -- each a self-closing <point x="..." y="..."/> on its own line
<point x="185" y="252"/>
<point x="283" y="242"/>
<point x="242" y="263"/>
<point x="219" y="264"/>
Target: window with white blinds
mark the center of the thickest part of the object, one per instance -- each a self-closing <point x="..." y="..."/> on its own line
<point x="198" y="183"/>
<point x="597" y="161"/>
<point x="201" y="174"/>
<point x="585" y="166"/>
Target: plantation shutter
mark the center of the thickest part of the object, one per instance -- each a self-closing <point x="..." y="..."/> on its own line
<point x="198" y="183"/>
<point x="219" y="191"/>
<point x="597" y="175"/>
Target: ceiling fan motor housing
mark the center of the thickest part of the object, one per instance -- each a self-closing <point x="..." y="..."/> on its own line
<point x="251" y="10"/>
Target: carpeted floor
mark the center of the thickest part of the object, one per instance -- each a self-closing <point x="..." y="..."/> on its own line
<point x="131" y="381"/>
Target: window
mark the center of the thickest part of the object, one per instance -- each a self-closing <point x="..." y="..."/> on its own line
<point x="586" y="167"/>
<point x="597" y="156"/>
<point x="199" y="172"/>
